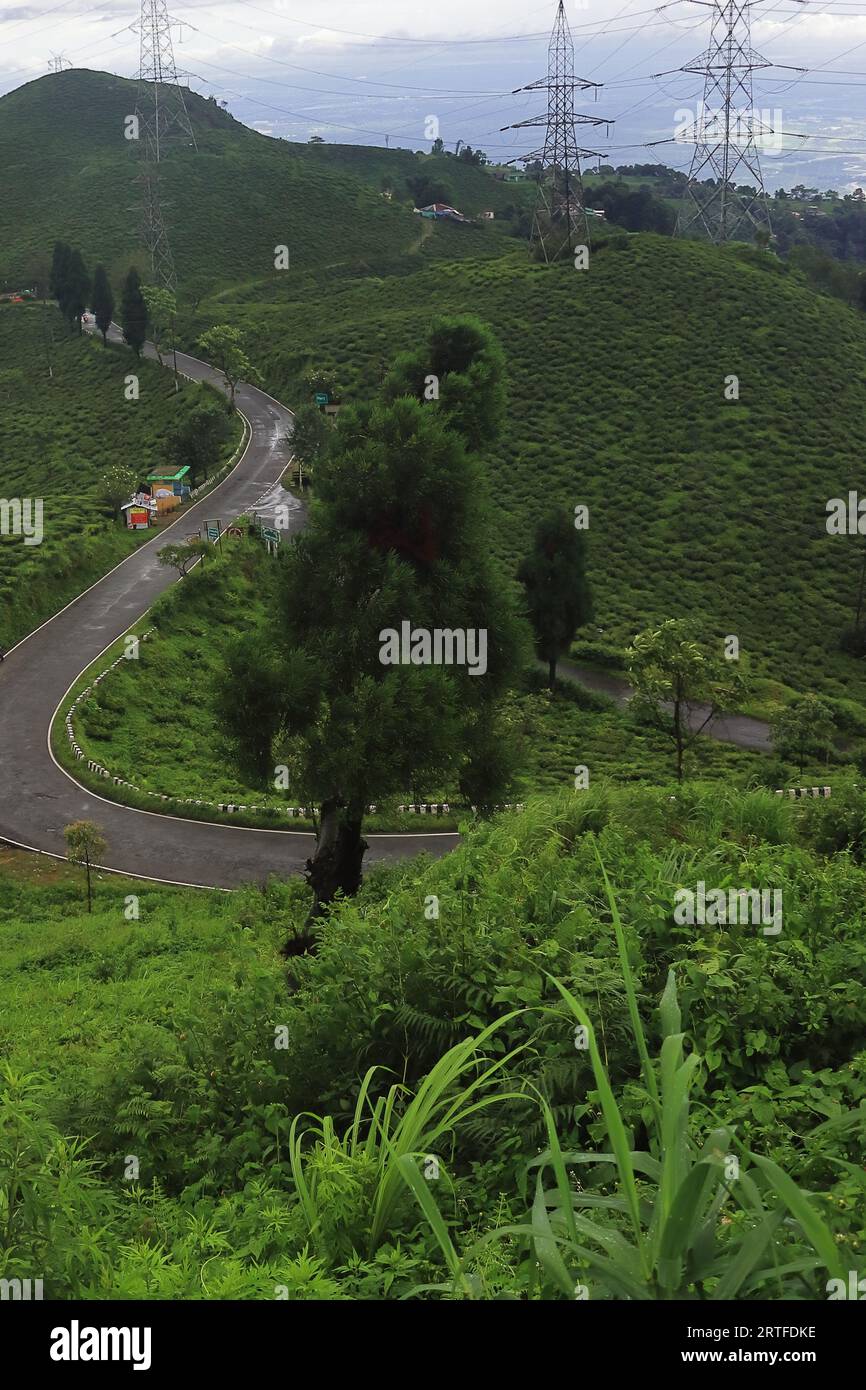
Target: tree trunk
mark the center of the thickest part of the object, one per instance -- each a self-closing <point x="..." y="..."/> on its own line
<point x="337" y="863"/>
<point x="859" y="617"/>
<point x="678" y="735"/>
<point x="89" y="889"/>
<point x="551" y="673"/>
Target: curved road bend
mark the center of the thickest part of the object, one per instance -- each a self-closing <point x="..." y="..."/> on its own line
<point x="740" y="729"/>
<point x="37" y="799"/>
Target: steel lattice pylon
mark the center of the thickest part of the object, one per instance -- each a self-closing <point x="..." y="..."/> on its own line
<point x="154" y="231"/>
<point x="727" y="130"/>
<point x="161" y="107"/>
<point x="559" y="222"/>
<point x="161" y="111"/>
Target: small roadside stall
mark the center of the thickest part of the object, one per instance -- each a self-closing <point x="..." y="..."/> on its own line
<point x="169" y="490"/>
<point x="137" y="513"/>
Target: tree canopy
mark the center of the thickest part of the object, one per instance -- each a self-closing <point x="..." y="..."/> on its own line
<point x="133" y="311"/>
<point x="557" y="591"/>
<point x="397" y="544"/>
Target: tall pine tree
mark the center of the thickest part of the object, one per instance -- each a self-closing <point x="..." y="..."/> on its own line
<point x="558" y="596"/>
<point x="399" y="534"/>
<point x="78" y="288"/>
<point x="102" y="301"/>
<point x="58" y="284"/>
<point x="133" y="311"/>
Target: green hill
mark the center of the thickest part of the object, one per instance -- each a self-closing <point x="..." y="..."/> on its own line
<point x="699" y="506"/>
<point x="227" y="206"/>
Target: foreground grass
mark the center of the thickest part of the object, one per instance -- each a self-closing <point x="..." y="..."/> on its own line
<point x="182" y="1040"/>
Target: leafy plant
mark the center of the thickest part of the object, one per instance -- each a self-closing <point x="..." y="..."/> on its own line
<point x="684" y="1218"/>
<point x="349" y="1188"/>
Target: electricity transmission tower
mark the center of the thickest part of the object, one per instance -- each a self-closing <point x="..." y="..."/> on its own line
<point x="727" y="131"/>
<point x="59" y="62"/>
<point x="559" y="222"/>
<point x="161" y="111"/>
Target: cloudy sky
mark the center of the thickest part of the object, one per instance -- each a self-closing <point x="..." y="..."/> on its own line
<point x="377" y="72"/>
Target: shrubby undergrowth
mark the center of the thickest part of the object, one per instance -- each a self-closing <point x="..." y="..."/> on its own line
<point x="186" y="1042"/>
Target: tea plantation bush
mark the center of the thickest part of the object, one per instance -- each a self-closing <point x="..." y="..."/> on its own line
<point x="700" y="506"/>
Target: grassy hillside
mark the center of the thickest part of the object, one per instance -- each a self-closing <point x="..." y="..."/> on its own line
<point x="214" y="1057"/>
<point x="62" y="148"/>
<point x="58" y="435"/>
<point x="474" y="188"/>
<point x="699" y="506"/>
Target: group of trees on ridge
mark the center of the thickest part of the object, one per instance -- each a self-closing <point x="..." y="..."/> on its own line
<point x="199" y="434"/>
<point x="72" y="286"/>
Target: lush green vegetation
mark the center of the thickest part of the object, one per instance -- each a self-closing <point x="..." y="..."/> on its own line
<point x="473" y="189"/>
<point x="171" y="1039"/>
<point x="232" y="202"/>
<point x="700" y="506"/>
<point x="515" y="1072"/>
<point x="180" y="666"/>
<point x="59" y="436"/>
<point x="706" y="505"/>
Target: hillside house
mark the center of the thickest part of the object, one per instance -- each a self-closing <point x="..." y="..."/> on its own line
<point x="442" y="212"/>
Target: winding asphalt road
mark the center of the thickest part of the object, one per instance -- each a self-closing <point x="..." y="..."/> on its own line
<point x="37" y="798"/>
